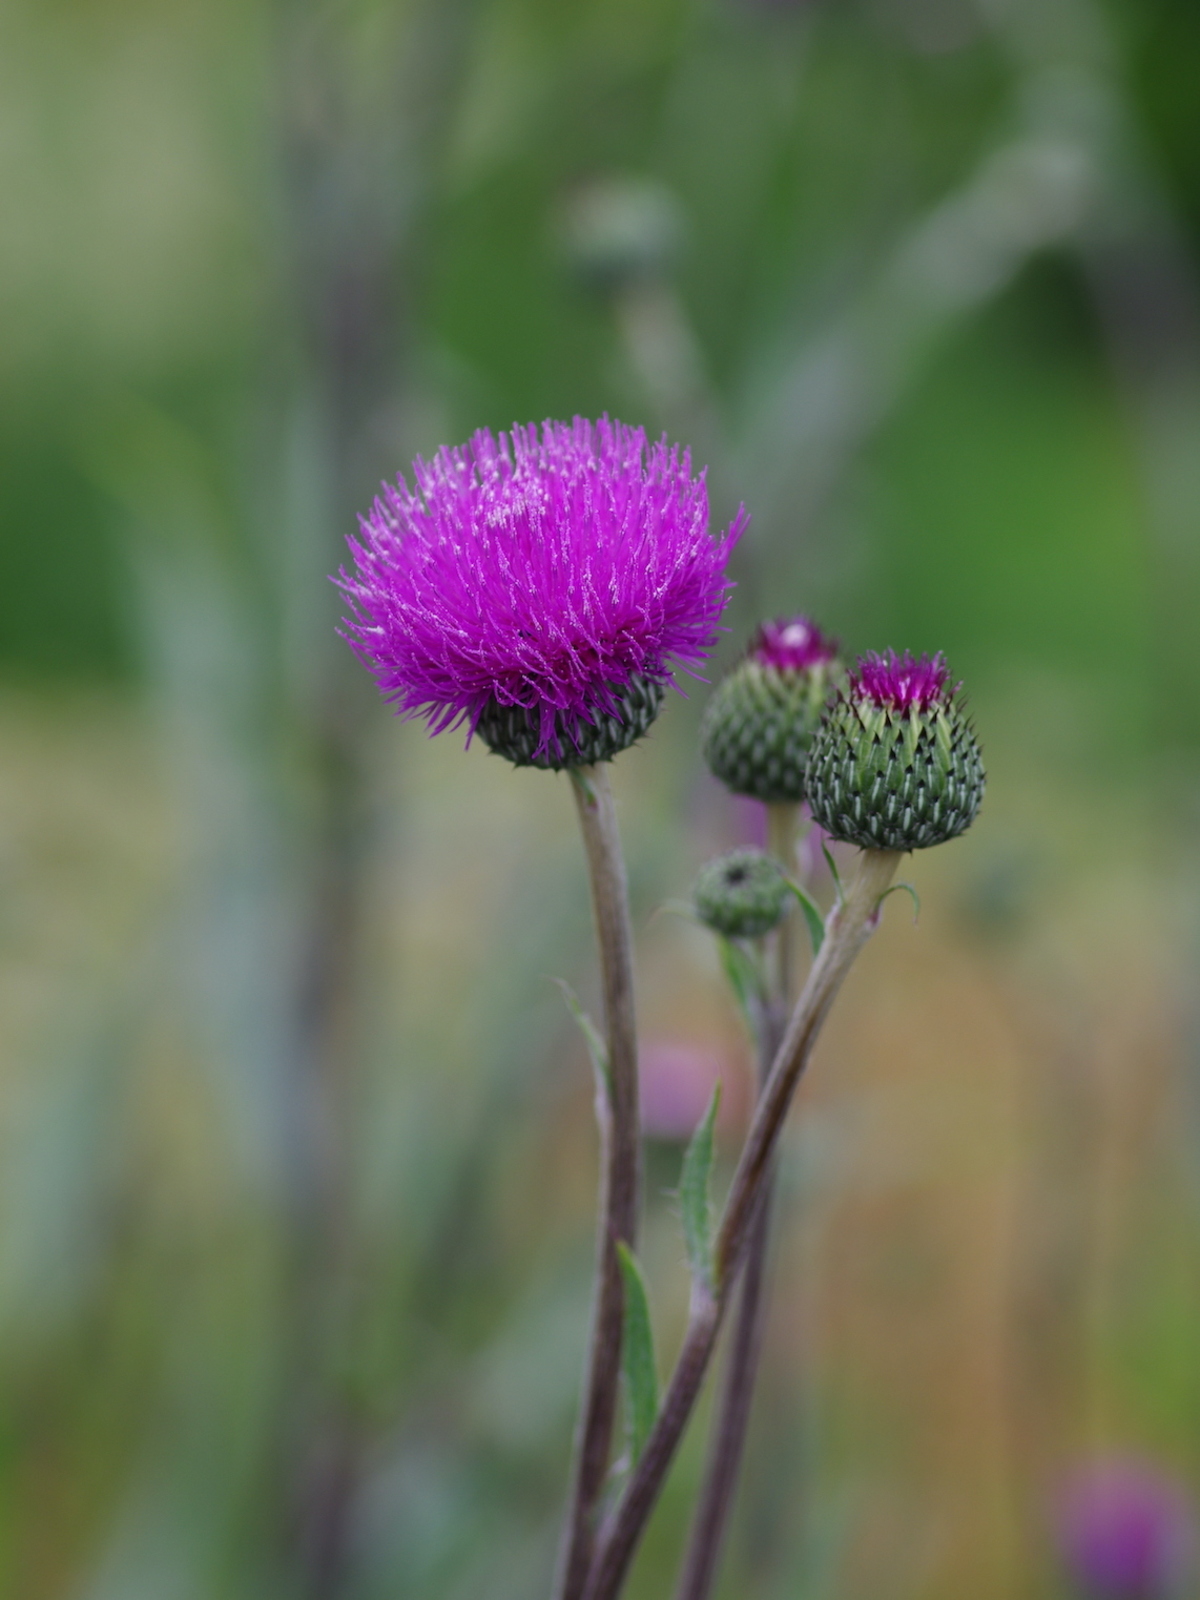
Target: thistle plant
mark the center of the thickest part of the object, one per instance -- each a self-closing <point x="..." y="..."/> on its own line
<point x="541" y="589"/>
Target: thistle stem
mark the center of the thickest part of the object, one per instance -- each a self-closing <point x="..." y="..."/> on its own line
<point x="850" y="924"/>
<point x="711" y="1517"/>
<point x="619" y="1173"/>
<point x="782" y="823"/>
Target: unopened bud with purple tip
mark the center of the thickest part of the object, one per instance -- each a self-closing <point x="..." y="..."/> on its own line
<point x="895" y="764"/>
<point x="760" y="723"/>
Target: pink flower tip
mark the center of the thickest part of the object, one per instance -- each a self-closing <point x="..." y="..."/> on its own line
<point x="902" y="683"/>
<point x="546" y="569"/>
<point x="790" y="644"/>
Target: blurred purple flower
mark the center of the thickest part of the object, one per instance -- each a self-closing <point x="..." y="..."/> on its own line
<point x="1125" y="1530"/>
<point x="545" y="569"/>
<point x="677" y="1081"/>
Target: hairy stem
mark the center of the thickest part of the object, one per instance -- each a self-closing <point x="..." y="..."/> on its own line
<point x="849" y="926"/>
<point x="619" y="1175"/>
<point x="711" y="1517"/>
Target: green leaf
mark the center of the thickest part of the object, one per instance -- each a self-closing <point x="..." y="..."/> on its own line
<point x="743" y="975"/>
<point x="908" y="888"/>
<point x="637" y="1354"/>
<point x="593" y="1038"/>
<point x="812" y="915"/>
<point x="833" y="871"/>
<point x="694" y="1197"/>
<point x="583" y="784"/>
<point x="677" y="908"/>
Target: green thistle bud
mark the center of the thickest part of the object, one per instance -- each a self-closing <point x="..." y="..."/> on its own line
<point x="760" y="722"/>
<point x="895" y="764"/>
<point x="742" y="895"/>
<point x="516" y="733"/>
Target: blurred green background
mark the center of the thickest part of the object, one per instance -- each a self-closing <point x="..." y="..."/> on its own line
<point x="296" y="1164"/>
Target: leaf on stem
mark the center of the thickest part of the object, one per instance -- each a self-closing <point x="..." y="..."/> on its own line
<point x="637" y="1354"/>
<point x="833" y="871"/>
<point x="593" y="1038"/>
<point x="584" y="785"/>
<point x="812" y="915"/>
<point x="916" y="899"/>
<point x="694" y="1197"/>
<point x="744" y="978"/>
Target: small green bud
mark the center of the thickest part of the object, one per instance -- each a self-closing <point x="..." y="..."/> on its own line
<point x="515" y="733"/>
<point x="895" y="764"/>
<point x="760" y="722"/>
<point x="742" y="895"/>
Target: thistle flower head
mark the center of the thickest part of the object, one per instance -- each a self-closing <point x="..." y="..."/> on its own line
<point x="1125" y="1531"/>
<point x="760" y="722"/>
<point x="541" y="587"/>
<point x="895" y="764"/>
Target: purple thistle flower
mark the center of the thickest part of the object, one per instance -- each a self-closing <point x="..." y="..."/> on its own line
<point x="546" y="576"/>
<point x="790" y="644"/>
<point x="902" y="683"/>
<point x="1126" y="1531"/>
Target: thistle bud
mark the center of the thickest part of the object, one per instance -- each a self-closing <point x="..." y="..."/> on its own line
<point x="760" y="723"/>
<point x="743" y="894"/>
<point x="895" y="764"/>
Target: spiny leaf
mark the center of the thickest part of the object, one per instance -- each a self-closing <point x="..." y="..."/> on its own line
<point x="812" y="915"/>
<point x="694" y="1197"/>
<point x="916" y="899"/>
<point x="593" y="1038"/>
<point x="637" y="1354"/>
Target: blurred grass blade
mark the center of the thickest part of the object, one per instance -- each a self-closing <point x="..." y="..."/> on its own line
<point x="637" y="1355"/>
<point x="694" y="1196"/>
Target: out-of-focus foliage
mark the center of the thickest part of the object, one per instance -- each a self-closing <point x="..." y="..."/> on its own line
<point x="296" y="1162"/>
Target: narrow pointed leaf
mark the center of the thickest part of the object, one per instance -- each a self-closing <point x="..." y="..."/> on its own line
<point x="637" y="1355"/>
<point x="833" y="871"/>
<point x="743" y="976"/>
<point x="908" y="888"/>
<point x="812" y="915"/>
<point x="597" y="1049"/>
<point x="694" y="1195"/>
